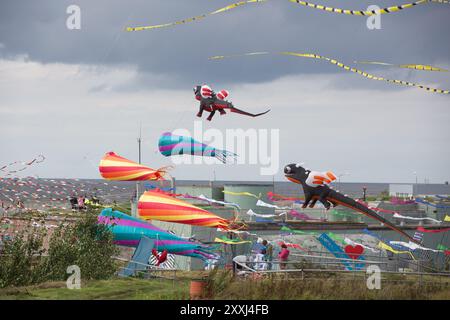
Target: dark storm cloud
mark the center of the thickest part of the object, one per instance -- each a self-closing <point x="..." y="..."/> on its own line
<point x="179" y="54"/>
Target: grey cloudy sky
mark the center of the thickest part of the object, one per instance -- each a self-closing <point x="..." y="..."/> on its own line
<point x="73" y="95"/>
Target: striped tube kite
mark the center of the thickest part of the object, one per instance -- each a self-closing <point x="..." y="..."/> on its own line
<point x="172" y="145"/>
<point x="128" y="231"/>
<point x="115" y="167"/>
<point x="158" y="206"/>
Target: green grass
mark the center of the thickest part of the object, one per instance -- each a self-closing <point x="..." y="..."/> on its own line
<point x="117" y="289"/>
<point x="327" y="286"/>
<point x="334" y="287"/>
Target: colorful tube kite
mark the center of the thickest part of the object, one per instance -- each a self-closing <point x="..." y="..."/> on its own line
<point x="171" y="145"/>
<point x="128" y="231"/>
<point x="115" y="167"/>
<point x="158" y="206"/>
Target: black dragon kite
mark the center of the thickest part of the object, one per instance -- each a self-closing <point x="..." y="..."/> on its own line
<point x="315" y="187"/>
<point x="212" y="102"/>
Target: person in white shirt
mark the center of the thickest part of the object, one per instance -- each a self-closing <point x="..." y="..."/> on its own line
<point x="260" y="262"/>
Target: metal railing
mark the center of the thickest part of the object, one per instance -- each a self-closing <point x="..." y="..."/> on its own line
<point x="151" y="270"/>
<point x="333" y="261"/>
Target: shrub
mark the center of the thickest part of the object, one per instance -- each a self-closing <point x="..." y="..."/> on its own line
<point x="84" y="243"/>
<point x="19" y="256"/>
<point x="87" y="244"/>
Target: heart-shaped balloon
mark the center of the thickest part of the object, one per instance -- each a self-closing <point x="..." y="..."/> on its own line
<point x="354" y="251"/>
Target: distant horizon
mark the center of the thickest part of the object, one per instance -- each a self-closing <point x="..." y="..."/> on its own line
<point x="221" y="181"/>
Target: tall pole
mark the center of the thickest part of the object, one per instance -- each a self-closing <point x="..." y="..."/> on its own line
<point x="415" y="186"/>
<point x="139" y="140"/>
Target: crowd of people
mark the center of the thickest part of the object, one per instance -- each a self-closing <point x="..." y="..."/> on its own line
<point x="81" y="203"/>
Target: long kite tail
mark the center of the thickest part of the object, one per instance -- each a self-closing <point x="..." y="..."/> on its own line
<point x="366" y="12"/>
<point x="419" y="67"/>
<point x="352" y="204"/>
<point x="225" y="156"/>
<point x="362" y="73"/>
<point x="196" y="18"/>
<point x="236" y="110"/>
<point x="340" y="65"/>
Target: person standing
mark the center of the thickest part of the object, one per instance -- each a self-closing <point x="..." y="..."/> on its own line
<point x="269" y="253"/>
<point x="283" y="256"/>
<point x="80" y="203"/>
<point x="260" y="263"/>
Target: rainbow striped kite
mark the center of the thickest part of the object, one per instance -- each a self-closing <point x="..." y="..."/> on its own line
<point x="115" y="167"/>
<point x="127" y="231"/>
<point x="159" y="206"/>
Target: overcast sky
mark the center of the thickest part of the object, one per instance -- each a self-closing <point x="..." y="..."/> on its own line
<point x="73" y="95"/>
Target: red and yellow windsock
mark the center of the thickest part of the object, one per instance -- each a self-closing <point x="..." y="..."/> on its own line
<point x="158" y="206"/>
<point x="115" y="167"/>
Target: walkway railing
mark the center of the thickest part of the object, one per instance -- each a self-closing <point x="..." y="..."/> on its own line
<point x="295" y="266"/>
<point x="149" y="269"/>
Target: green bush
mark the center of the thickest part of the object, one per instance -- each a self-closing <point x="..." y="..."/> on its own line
<point x="19" y="258"/>
<point x="384" y="195"/>
<point x="84" y="243"/>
